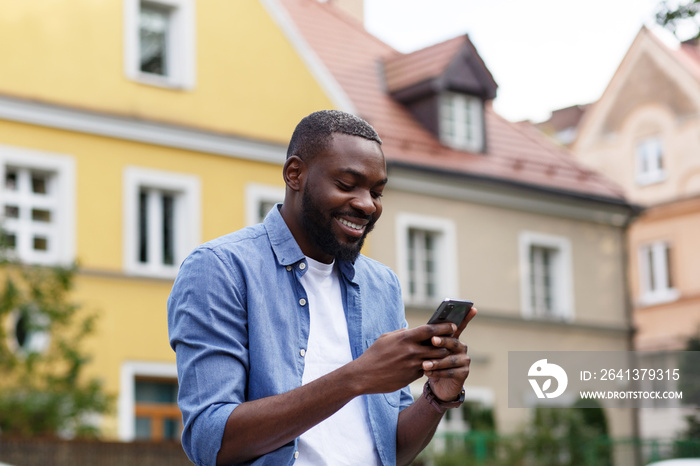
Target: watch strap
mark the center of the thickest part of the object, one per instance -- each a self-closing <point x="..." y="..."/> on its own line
<point x="439" y="405"/>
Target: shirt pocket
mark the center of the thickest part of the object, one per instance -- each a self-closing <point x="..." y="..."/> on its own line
<point x="392" y="398"/>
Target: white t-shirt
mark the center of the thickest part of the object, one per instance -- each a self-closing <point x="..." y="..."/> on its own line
<point x="345" y="437"/>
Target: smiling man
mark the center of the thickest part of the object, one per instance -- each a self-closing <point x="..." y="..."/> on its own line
<point x="291" y="346"/>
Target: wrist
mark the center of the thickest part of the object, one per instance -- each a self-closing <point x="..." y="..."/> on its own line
<point x="441" y="405"/>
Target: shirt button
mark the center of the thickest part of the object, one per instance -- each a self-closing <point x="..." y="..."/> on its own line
<point x="302" y="266"/>
<point x="296" y="454"/>
<point x="302" y="352"/>
<point x="302" y="302"/>
<point x="289" y="268"/>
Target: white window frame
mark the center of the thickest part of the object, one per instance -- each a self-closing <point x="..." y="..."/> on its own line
<point x="466" y="112"/>
<point x="181" y="44"/>
<point x="562" y="267"/>
<point x="649" y="159"/>
<point x="62" y="204"/>
<point x="658" y="267"/>
<point x="446" y="270"/>
<point x="126" y="404"/>
<point x="255" y="194"/>
<point x="187" y="218"/>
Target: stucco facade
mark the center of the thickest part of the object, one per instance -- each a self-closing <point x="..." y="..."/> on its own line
<point x="76" y="114"/>
<point x="643" y="133"/>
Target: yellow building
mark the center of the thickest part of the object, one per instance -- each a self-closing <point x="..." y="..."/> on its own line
<point x="130" y="132"/>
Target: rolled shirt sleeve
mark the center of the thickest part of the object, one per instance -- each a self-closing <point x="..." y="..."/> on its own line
<point x="207" y="325"/>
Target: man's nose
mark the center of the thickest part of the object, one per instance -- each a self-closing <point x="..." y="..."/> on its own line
<point x="364" y="202"/>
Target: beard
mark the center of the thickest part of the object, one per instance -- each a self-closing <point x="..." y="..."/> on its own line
<point x="319" y="228"/>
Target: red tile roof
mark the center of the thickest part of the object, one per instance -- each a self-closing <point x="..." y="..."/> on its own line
<point x="514" y="154"/>
<point x="403" y="70"/>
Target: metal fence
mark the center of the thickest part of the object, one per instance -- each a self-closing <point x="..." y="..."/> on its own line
<point x="54" y="452"/>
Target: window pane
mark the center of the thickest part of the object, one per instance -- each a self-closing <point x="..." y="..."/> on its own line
<point x="264" y="208"/>
<point x="669" y="280"/>
<point x="143" y="226"/>
<point x="11" y="180"/>
<point x="542" y="280"/>
<point x="9" y="240"/>
<point x="153" y="35"/>
<point x="40" y="183"/>
<point x="41" y="215"/>
<point x="168" y="229"/>
<point x="143" y="428"/>
<point x="171" y="429"/>
<point x="411" y="262"/>
<point x="41" y="243"/>
<point x="11" y="211"/>
<point x="22" y="330"/>
<point x="147" y="391"/>
<point x="650" y="262"/>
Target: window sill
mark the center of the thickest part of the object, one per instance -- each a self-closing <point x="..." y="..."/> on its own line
<point x="651" y="178"/>
<point x="559" y="317"/>
<point x="159" y="81"/>
<point x="146" y="272"/>
<point x="659" y="297"/>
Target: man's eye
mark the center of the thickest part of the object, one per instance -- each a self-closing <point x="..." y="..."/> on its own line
<point x="376" y="195"/>
<point x="345" y="187"/>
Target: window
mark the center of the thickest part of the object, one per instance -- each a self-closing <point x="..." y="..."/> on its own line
<point x="147" y="406"/>
<point x="28" y="331"/>
<point x="655" y="273"/>
<point x="161" y="220"/>
<point x="650" y="162"/>
<point x="545" y="276"/>
<point x="422" y="277"/>
<point x="259" y="200"/>
<point x="157" y="416"/>
<point x="159" y="42"/>
<point x="38" y="199"/>
<point x="426" y="246"/>
<point x="462" y="121"/>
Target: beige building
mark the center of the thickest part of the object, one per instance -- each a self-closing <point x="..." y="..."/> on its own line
<point x="480" y="208"/>
<point x="643" y="133"/>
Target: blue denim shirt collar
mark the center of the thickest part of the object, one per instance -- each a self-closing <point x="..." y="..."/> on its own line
<point x="285" y="247"/>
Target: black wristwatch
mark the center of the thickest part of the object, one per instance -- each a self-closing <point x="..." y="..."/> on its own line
<point x="439" y="405"/>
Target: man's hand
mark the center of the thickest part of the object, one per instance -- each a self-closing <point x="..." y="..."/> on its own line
<point x="396" y="358"/>
<point x="447" y="374"/>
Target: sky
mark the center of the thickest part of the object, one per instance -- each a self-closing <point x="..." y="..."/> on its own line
<point x="544" y="54"/>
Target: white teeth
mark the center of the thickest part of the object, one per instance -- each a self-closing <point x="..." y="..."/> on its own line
<point x="350" y="224"/>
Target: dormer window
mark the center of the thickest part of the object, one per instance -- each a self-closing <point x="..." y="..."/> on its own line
<point x="650" y="161"/>
<point x="462" y="121"/>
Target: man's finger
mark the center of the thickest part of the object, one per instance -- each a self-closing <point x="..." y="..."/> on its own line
<point x="470" y="315"/>
<point x="426" y="332"/>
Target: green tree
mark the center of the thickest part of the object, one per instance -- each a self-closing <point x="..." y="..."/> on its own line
<point x="561" y="436"/>
<point x="679" y="18"/>
<point x="43" y="391"/>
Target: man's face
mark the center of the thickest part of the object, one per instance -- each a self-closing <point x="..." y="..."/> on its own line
<point x="341" y="200"/>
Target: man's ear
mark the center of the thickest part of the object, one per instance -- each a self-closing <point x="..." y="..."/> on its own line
<point x="294" y="172"/>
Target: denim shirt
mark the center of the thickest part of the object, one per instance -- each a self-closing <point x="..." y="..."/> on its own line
<point x="238" y="320"/>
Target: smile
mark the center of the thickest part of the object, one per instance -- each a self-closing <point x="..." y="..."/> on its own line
<point x="354" y="226"/>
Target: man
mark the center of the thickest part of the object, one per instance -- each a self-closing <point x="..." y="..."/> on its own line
<point x="291" y="347"/>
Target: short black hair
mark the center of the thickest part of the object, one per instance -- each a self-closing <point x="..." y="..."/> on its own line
<point x="314" y="132"/>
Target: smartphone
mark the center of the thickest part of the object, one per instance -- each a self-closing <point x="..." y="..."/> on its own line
<point x="451" y="310"/>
